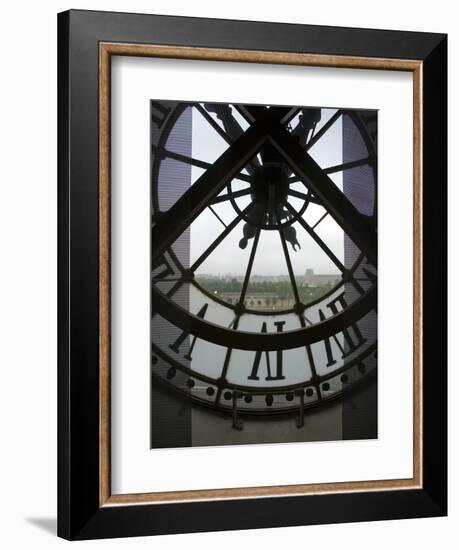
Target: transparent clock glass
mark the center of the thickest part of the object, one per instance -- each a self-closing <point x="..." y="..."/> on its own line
<point x="263" y="274"/>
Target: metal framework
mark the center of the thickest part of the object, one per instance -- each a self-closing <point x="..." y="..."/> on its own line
<point x="270" y="156"/>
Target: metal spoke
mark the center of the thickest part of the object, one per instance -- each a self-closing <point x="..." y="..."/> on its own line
<point x="175" y="288"/>
<point x="229" y="125"/>
<point x="214" y="124"/>
<point x="318" y="240"/>
<point x="217" y="216"/>
<point x="219" y="239"/>
<point x="196" y="162"/>
<point x="319" y="220"/>
<point x="324" y="129"/>
<point x="339" y="168"/>
<point x="299" y="194"/>
<point x="250" y="265"/>
<point x="313" y="131"/>
<point x="234" y="195"/>
<point x="347" y="165"/>
<point x="304" y="196"/>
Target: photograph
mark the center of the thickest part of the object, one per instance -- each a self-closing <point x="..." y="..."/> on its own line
<point x="263" y="274"/>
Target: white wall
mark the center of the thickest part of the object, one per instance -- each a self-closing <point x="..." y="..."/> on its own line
<point x="28" y="268"/>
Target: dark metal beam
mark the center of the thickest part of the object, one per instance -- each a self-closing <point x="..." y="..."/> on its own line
<point x="324" y="129"/>
<point x="180" y="216"/>
<point x="340" y="207"/>
<point x="218" y="240"/>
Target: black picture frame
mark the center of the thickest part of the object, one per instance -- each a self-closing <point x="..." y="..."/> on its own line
<point x="80" y="514"/>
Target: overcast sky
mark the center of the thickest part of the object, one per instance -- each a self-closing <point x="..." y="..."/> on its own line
<point x="228" y="258"/>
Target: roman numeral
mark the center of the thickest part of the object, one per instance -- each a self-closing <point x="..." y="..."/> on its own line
<point x="256" y="364"/>
<point x="162" y="270"/>
<point x="352" y="335"/>
<point x="177" y="344"/>
<point x="159" y="113"/>
<point x="166" y="268"/>
<point x="370" y="274"/>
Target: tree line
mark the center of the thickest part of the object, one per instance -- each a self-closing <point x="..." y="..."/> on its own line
<point x="281" y="289"/>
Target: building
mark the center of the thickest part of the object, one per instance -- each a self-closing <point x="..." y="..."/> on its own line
<point x="318" y="279"/>
<point x="258" y="300"/>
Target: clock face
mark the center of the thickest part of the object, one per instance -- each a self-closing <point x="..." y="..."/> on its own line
<point x="263" y="256"/>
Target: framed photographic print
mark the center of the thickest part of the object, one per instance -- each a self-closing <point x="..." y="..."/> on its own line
<point x="252" y="274"/>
